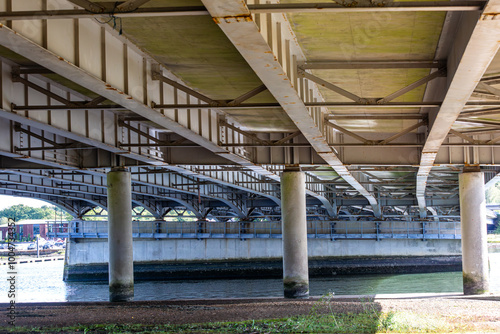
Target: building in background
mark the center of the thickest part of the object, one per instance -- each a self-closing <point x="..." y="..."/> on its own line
<point x="26" y="230"/>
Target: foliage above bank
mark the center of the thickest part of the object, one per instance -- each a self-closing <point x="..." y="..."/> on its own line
<point x="20" y="212"/>
<point x="493" y="194"/>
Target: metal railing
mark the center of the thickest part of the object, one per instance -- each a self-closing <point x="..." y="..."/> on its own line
<point x="318" y="229"/>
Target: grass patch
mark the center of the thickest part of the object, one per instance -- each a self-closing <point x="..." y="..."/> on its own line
<point x="321" y="319"/>
<point x="365" y="322"/>
<point x="494" y="238"/>
<point x="404" y="322"/>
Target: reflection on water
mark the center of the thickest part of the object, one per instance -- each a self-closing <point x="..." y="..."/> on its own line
<point x="42" y="282"/>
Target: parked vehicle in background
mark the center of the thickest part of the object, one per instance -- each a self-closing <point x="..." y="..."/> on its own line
<point x="32" y="246"/>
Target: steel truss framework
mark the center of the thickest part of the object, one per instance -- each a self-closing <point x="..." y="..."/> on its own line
<point x="78" y="97"/>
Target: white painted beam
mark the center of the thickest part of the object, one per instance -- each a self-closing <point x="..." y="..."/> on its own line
<point x="125" y="78"/>
<point x="235" y="20"/>
<point x="475" y="46"/>
<point x="31" y="50"/>
<point x="89" y="141"/>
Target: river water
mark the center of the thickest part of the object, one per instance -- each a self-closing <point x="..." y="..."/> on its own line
<point x="42" y="282"/>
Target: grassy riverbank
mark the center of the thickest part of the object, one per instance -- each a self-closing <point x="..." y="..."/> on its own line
<point x="325" y="315"/>
<point x="493" y="238"/>
<point x="366" y="322"/>
<point x="393" y="322"/>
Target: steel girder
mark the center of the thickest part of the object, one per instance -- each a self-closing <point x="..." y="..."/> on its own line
<point x="187" y="191"/>
<point x="235" y="20"/>
<point x="95" y="183"/>
<point x="190" y="180"/>
<point x="93" y="133"/>
<point x="474" y="47"/>
<point x="153" y="197"/>
<point x="125" y="79"/>
<point x="145" y="196"/>
<point x="101" y="138"/>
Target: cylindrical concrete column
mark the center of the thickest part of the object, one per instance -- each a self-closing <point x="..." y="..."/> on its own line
<point x="294" y="229"/>
<point x="121" y="261"/>
<point x="473" y="222"/>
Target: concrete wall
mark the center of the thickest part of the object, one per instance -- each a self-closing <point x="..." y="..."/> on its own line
<point x="94" y="251"/>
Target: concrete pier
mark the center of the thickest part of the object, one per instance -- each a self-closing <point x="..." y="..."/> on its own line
<point x="121" y="263"/>
<point x="474" y="244"/>
<point x="293" y="212"/>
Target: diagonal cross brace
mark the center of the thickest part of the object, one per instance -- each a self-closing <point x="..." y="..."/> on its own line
<point x="412" y="86"/>
<point x="131" y="5"/>
<point x="332" y="87"/>
<point x="89" y="5"/>
<point x="475" y="46"/>
<point x="235" y="20"/>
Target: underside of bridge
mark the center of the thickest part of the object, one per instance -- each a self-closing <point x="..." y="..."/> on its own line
<point x="381" y="104"/>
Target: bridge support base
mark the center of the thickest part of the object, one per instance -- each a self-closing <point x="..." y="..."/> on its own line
<point x="121" y="261"/>
<point x="295" y="264"/>
<point x="474" y="244"/>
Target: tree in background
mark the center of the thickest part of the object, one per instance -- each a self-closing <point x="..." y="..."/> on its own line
<point x="493" y="197"/>
<point x="493" y="194"/>
<point x="22" y="212"/>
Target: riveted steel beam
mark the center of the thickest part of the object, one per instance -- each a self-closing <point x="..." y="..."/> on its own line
<point x="287" y="138"/>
